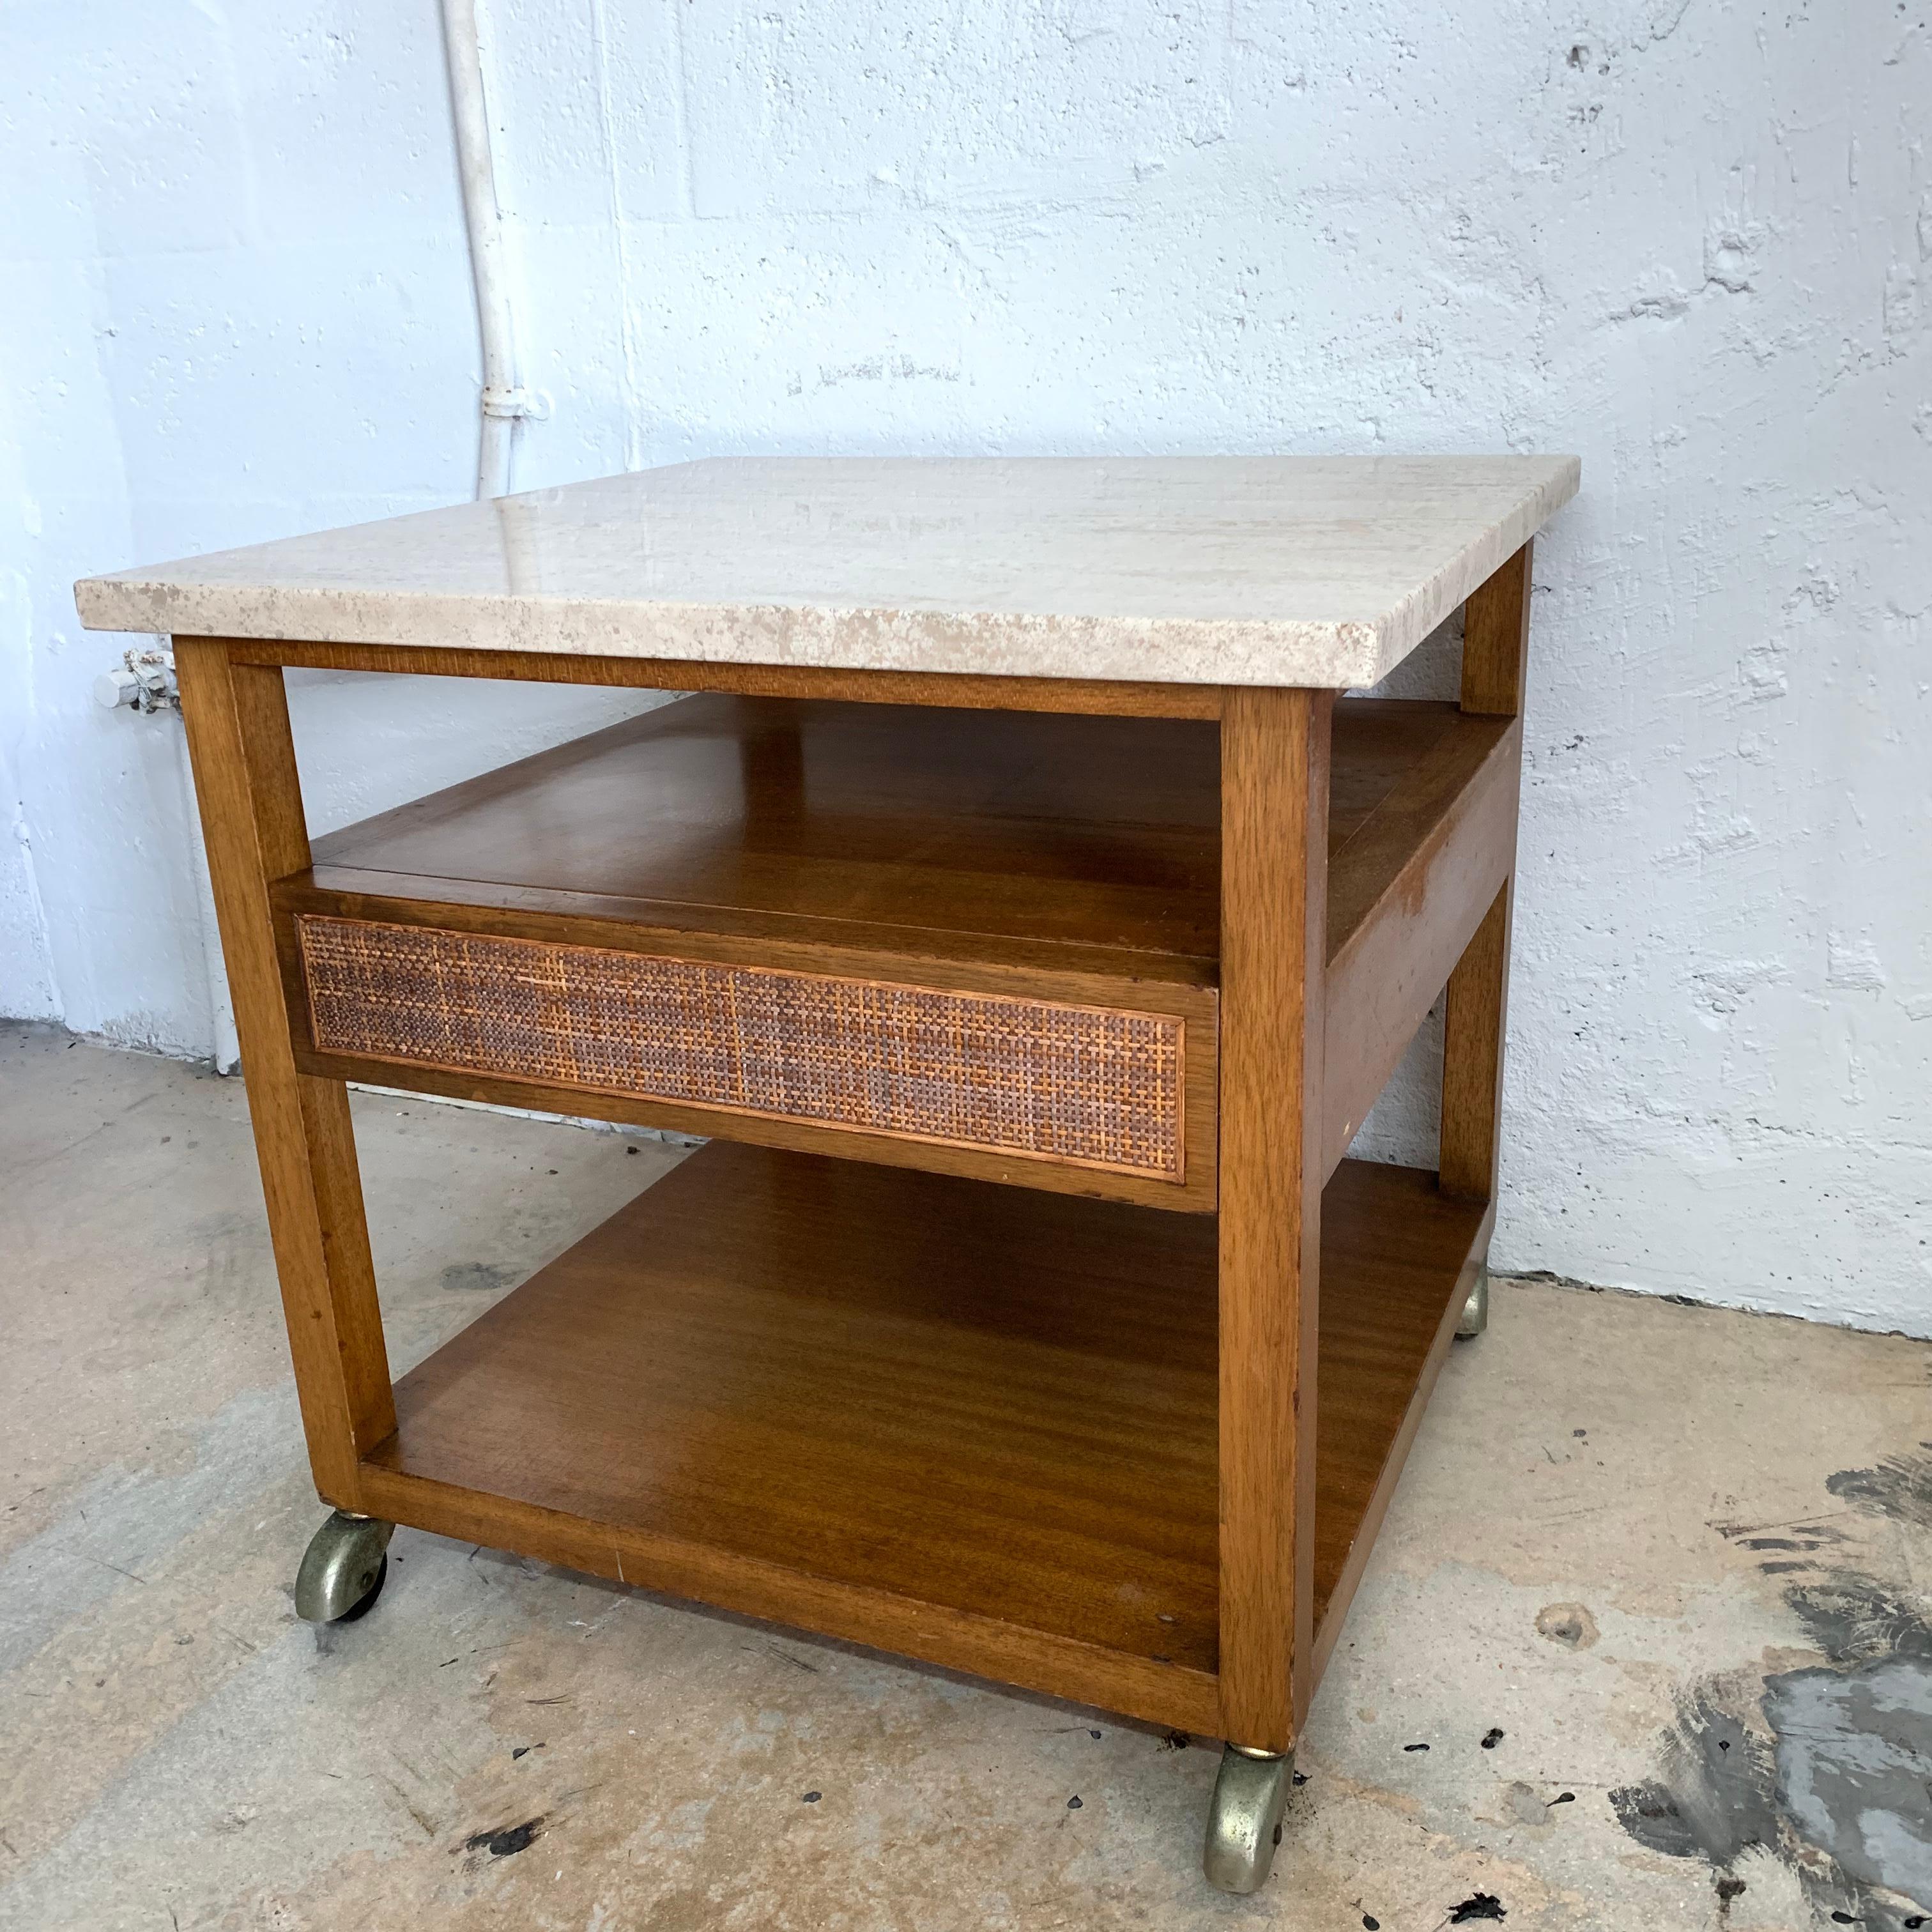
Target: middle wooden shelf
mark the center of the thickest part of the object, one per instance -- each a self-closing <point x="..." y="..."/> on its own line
<point x="982" y="942"/>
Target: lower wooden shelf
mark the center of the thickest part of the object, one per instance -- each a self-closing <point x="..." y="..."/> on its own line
<point x="970" y="1424"/>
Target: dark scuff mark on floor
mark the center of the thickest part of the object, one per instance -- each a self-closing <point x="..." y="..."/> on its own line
<point x="1855" y="1619"/>
<point x="479" y="1277"/>
<point x="1901" y="1487"/>
<point x="509" y="1840"/>
<point x="784" y="1656"/>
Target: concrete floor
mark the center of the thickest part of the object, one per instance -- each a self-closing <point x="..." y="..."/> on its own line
<point x="1646" y="1642"/>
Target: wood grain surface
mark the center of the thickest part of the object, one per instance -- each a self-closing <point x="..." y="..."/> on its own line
<point x="1042" y="857"/>
<point x="1495" y="667"/>
<point x="973" y="1424"/>
<point x="887" y="826"/>
<point x="1047" y="857"/>
<point x="1274" y="850"/>
<point x="1495" y="640"/>
<point x="251" y="815"/>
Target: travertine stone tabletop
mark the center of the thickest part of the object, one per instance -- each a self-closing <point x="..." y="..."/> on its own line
<point x="1207" y="570"/>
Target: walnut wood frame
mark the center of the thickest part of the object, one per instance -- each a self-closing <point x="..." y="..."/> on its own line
<point x="1316" y="1000"/>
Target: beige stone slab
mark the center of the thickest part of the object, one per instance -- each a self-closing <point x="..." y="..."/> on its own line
<point x="1209" y="570"/>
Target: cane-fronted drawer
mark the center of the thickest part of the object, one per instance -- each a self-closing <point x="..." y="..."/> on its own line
<point x="1000" y="1075"/>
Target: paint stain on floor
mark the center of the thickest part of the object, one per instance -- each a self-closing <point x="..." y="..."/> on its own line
<point x="1828" y="1767"/>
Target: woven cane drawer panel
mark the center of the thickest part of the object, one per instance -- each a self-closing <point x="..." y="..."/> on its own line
<point x="1082" y="1085"/>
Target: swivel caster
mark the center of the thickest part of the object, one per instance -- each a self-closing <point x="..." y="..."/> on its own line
<point x="344" y="1569"/>
<point x="1244" y="1817"/>
<point x="1475" y="1316"/>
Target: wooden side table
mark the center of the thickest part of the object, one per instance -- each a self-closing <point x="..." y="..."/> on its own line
<point x="1028" y="921"/>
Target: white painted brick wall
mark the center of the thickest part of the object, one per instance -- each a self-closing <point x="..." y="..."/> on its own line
<point x="1687" y="239"/>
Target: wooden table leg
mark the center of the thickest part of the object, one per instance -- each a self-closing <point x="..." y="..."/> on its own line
<point x="251" y="813"/>
<point x="1496" y="640"/>
<point x="1472" y="1057"/>
<point x="1495" y="652"/>
<point x="1274" y="856"/>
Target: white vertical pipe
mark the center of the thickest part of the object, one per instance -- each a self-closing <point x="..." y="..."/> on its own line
<point x="503" y="400"/>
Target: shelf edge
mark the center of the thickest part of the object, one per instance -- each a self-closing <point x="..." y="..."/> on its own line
<point x="1037" y="1661"/>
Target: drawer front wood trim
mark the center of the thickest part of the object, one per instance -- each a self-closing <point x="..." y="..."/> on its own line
<point x="1085" y="1086"/>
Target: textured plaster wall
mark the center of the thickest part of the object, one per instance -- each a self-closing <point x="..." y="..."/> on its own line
<point x="1690" y="241"/>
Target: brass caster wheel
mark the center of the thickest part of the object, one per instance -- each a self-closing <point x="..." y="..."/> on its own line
<point x="344" y="1569"/>
<point x="1475" y="1316"/>
<point x="1244" y="1818"/>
